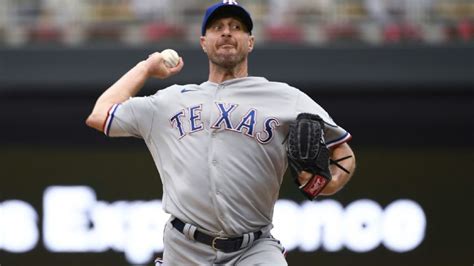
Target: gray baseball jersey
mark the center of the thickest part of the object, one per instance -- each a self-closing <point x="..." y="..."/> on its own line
<point x="219" y="148"/>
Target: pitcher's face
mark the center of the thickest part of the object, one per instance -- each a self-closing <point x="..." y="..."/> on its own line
<point x="227" y="42"/>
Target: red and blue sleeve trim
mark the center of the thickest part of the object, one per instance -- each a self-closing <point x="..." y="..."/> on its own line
<point x="346" y="137"/>
<point x="110" y="117"/>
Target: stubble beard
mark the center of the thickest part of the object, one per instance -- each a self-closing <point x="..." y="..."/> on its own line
<point x="227" y="61"/>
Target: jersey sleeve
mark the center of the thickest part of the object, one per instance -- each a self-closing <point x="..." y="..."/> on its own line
<point x="133" y="117"/>
<point x="334" y="134"/>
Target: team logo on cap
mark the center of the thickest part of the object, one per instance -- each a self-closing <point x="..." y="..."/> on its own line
<point x="230" y="2"/>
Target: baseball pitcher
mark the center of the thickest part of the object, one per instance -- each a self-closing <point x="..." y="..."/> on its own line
<point x="222" y="147"/>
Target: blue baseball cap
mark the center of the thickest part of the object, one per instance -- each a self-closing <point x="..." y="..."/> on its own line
<point x="227" y="8"/>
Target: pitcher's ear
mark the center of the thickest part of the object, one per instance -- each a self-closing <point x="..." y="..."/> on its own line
<point x="251" y="43"/>
<point x="202" y="41"/>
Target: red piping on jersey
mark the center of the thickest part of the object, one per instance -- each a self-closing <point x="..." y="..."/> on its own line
<point x="344" y="140"/>
<point x="106" y="118"/>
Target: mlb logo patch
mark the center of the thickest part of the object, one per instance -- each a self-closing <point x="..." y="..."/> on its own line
<point x="230" y="2"/>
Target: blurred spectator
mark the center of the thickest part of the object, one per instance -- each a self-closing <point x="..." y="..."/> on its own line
<point x="23" y="12"/>
<point x="152" y="10"/>
<point x="344" y="20"/>
<point x="395" y="11"/>
<point x="159" y="18"/>
<point x="458" y="18"/>
<point x="57" y="18"/>
<point x="400" y="19"/>
<point x="466" y="29"/>
<point x="281" y="23"/>
<point x="20" y="15"/>
<point x="462" y="30"/>
<point x="280" y="12"/>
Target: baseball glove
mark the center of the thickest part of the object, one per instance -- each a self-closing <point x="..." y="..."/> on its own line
<point x="307" y="151"/>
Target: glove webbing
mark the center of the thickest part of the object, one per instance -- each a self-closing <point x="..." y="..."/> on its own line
<point x="336" y="162"/>
<point x="331" y="161"/>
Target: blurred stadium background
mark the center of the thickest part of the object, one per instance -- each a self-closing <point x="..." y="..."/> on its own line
<point x="135" y="22"/>
<point x="398" y="74"/>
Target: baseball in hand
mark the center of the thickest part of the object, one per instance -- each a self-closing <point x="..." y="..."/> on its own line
<point x="170" y="57"/>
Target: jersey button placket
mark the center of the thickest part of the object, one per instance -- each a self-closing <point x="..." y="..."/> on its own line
<point x="215" y="173"/>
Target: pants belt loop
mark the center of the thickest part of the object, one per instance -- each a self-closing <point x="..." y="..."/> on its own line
<point x="189" y="231"/>
<point x="247" y="240"/>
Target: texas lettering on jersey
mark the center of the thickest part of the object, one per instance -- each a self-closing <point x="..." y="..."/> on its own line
<point x="246" y="125"/>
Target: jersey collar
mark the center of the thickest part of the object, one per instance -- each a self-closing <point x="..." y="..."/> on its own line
<point x="241" y="81"/>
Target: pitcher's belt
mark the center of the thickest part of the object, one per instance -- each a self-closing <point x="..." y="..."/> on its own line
<point x="219" y="243"/>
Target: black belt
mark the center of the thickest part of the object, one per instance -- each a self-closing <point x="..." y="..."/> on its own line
<point x="219" y="243"/>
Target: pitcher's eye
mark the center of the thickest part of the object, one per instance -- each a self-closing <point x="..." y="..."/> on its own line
<point x="236" y="27"/>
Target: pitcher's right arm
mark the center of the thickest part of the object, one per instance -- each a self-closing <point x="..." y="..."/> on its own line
<point x="128" y="86"/>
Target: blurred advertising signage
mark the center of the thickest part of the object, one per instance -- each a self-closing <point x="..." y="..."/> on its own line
<point x="75" y="221"/>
